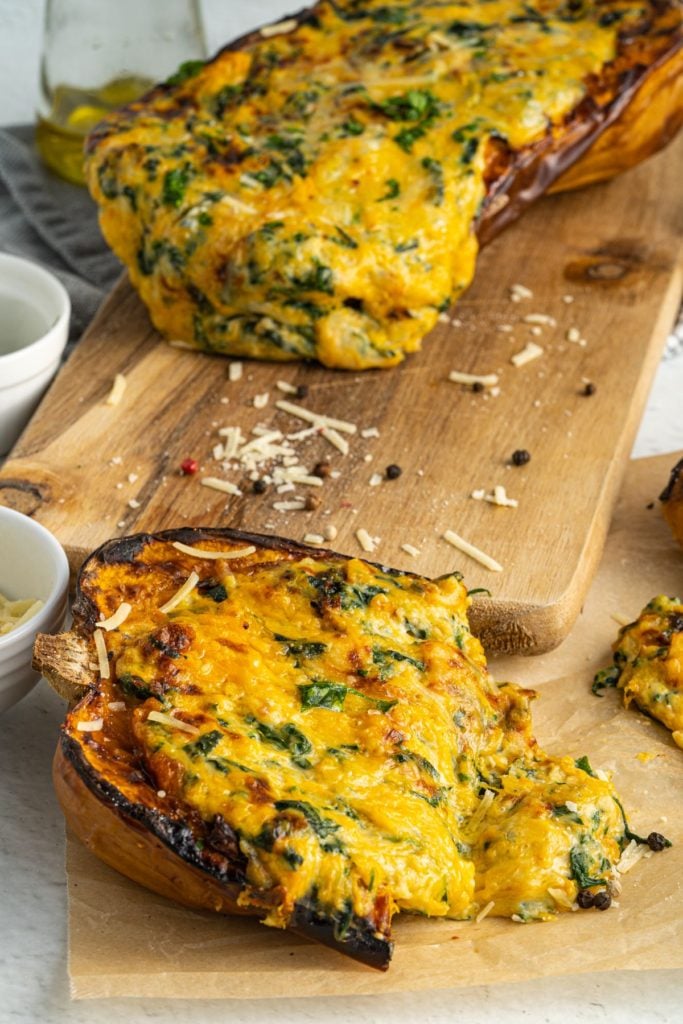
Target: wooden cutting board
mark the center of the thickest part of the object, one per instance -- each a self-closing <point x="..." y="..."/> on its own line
<point x="89" y="471"/>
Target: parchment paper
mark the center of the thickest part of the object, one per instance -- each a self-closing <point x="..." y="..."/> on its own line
<point x="125" y="941"/>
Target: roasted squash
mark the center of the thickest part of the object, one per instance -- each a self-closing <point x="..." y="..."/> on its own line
<point x="672" y="501"/>
<point x="320" y="188"/>
<point x="648" y="664"/>
<point x="267" y="729"/>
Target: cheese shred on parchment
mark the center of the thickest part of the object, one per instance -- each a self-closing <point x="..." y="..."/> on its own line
<point x="187" y="588"/>
<point x="187" y="549"/>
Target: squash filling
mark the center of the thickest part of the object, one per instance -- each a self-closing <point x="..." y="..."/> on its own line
<point x="315" y="192"/>
<point x="332" y="726"/>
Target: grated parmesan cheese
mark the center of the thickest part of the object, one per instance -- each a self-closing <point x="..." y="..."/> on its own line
<point x="487" y="379"/>
<point x="235" y="371"/>
<point x="410" y="550"/>
<point x="286" y="387"/>
<point x="117" y="389"/>
<point x="485" y="911"/>
<point x="220" y="485"/>
<point x="375" y="480"/>
<point x="336" y="440"/>
<point x="95" y="725"/>
<point x="117" y="618"/>
<point x="261" y="401"/>
<point x="369" y="432"/>
<point x="187" y="549"/>
<point x="469" y="549"/>
<point x="630" y="857"/>
<point x="520" y="291"/>
<point x="180" y="595"/>
<point x="176" y="723"/>
<point x="289" y="506"/>
<point x="540" y="318"/>
<point x="281" y="28"/>
<point x="317" y="418"/>
<point x="365" y="540"/>
<point x="102" y="659"/>
<point x="313" y="538"/>
<point x="529" y="352"/>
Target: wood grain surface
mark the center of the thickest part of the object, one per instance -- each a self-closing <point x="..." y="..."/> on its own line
<point x="89" y="471"/>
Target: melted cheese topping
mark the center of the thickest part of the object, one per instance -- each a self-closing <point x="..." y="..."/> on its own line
<point x="313" y="194"/>
<point x="648" y="663"/>
<point x="346" y="729"/>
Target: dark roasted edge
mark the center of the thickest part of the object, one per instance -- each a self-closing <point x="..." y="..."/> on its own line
<point x="676" y="476"/>
<point x="124" y="549"/>
<point x="358" y="939"/>
<point x="533" y="168"/>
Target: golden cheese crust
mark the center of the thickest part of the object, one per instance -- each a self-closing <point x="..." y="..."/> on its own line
<point x="648" y="664"/>
<point x="320" y="737"/>
<point x="316" y="190"/>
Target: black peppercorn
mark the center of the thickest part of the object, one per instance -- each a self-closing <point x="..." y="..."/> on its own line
<point x="520" y="457"/>
<point x="657" y="842"/>
<point x="393" y="471"/>
<point x="602" y="900"/>
<point x="322" y="469"/>
<point x="302" y="391"/>
<point x="477" y="386"/>
<point x="589" y="389"/>
<point x="259" y="486"/>
<point x="585" y="899"/>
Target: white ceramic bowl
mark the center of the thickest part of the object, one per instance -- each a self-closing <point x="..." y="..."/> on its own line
<point x="32" y="564"/>
<point x="34" y="326"/>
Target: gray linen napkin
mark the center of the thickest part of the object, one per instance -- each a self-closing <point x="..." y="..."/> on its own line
<point x="53" y="223"/>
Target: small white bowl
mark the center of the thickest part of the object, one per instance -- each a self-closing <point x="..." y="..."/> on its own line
<point x="32" y="564"/>
<point x="34" y="326"/>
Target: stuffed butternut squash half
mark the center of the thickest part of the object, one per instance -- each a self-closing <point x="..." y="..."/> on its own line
<point x="272" y="730"/>
<point x="319" y="189"/>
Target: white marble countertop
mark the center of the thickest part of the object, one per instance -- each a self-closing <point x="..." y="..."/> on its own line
<point x="33" y="941"/>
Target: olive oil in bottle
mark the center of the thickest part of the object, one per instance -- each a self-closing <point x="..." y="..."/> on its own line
<point x="74" y="112"/>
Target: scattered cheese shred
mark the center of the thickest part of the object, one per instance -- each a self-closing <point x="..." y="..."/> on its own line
<point x="289" y="506"/>
<point x="336" y="440"/>
<point x="520" y="291"/>
<point x="472" y="551"/>
<point x="314" y="538"/>
<point x="117" y="618"/>
<point x="261" y="401"/>
<point x="630" y="857"/>
<point x="187" y="549"/>
<point x="529" y="352"/>
<point x="176" y="723"/>
<point x="102" y="659"/>
<point x="94" y="726"/>
<point x="286" y="387"/>
<point x="180" y="595"/>
<point x="485" y="911"/>
<point x="560" y="897"/>
<point x="365" y="540"/>
<point x="235" y="371"/>
<point x="117" y="705"/>
<point x="487" y="379"/>
<point x="621" y="619"/>
<point x="117" y="389"/>
<point x="317" y="418"/>
<point x="540" y="318"/>
<point x="220" y="485"/>
<point x="410" y="550"/>
<point x="282" y="27"/>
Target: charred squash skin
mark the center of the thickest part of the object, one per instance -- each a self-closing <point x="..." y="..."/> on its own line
<point x="332" y="279"/>
<point x="312" y="740"/>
